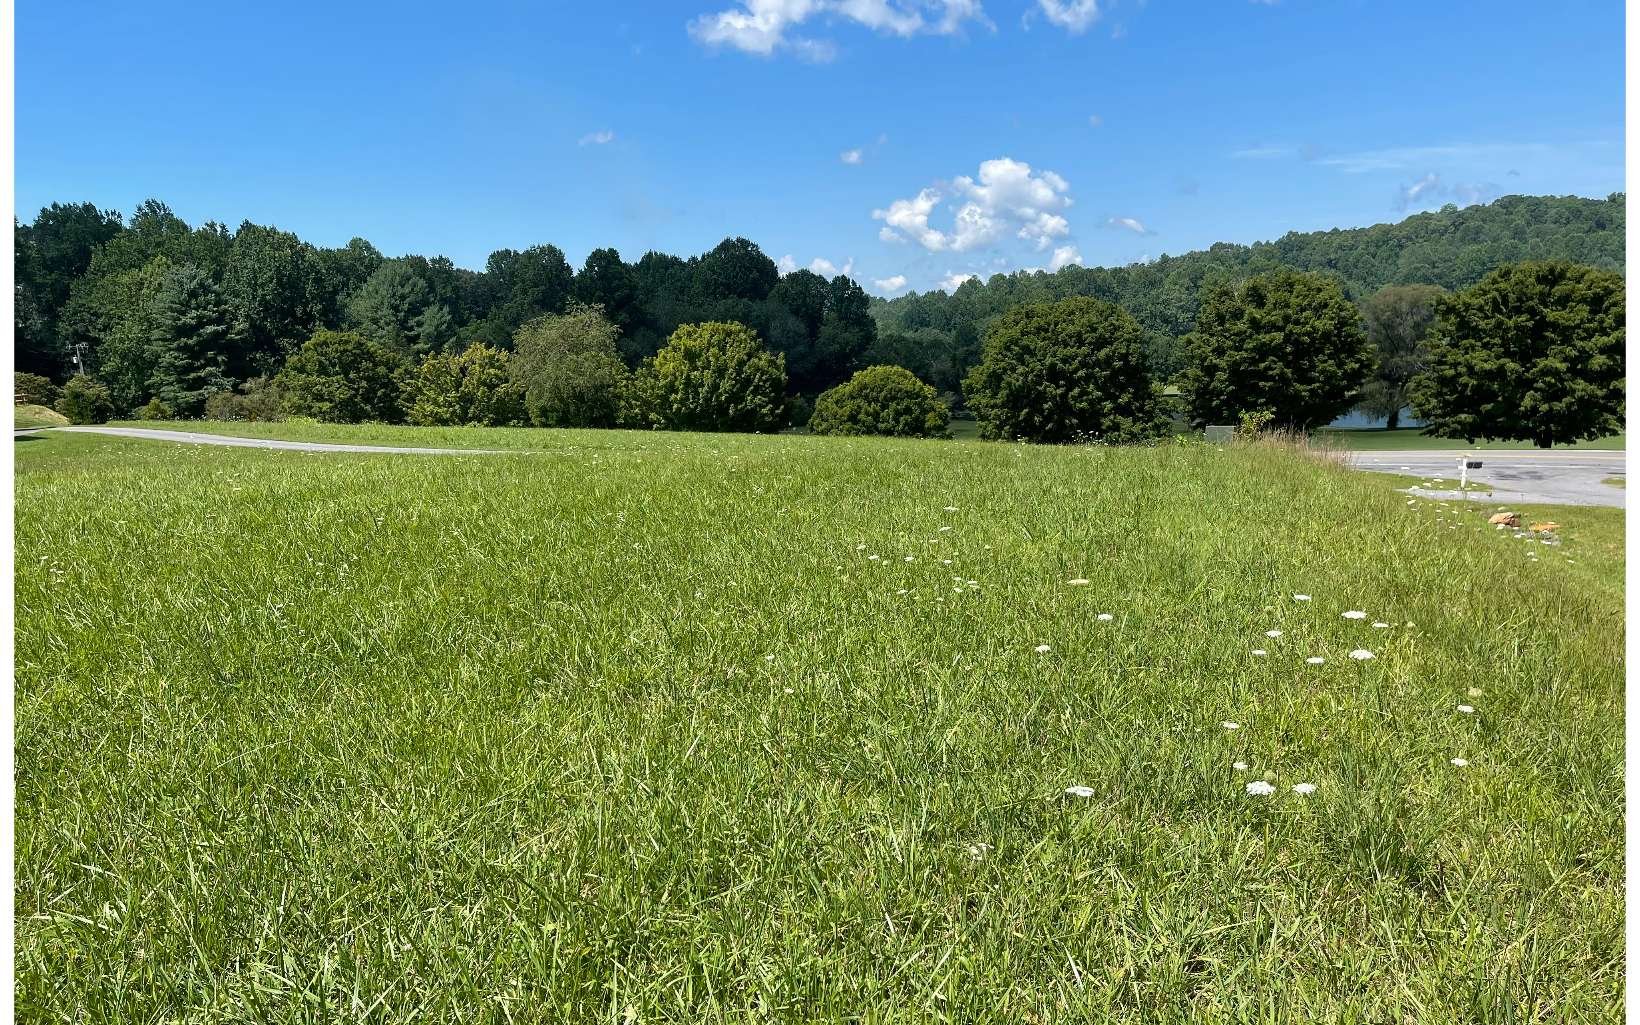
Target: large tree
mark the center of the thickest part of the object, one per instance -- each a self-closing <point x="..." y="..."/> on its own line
<point x="1397" y="321"/>
<point x="1073" y="370"/>
<point x="1534" y="352"/>
<point x="714" y="377"/>
<point x="607" y="283"/>
<point x="467" y="389"/>
<point x="268" y="282"/>
<point x="1285" y="343"/>
<point x="193" y="332"/>
<point x="50" y="254"/>
<point x="396" y="309"/>
<point x="734" y="269"/>
<point x="569" y="370"/>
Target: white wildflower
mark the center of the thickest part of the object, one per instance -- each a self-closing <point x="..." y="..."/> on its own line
<point x="1272" y="633"/>
<point x="1355" y="614"/>
<point x="1260" y="651"/>
<point x="1078" y="582"/>
<point x="1259" y="788"/>
<point x="1239" y="766"/>
<point x="1303" y="788"/>
<point x="1460" y="762"/>
<point x="1380" y="626"/>
<point x="1301" y="597"/>
<point x="1467" y="709"/>
<point x="1230" y="725"/>
<point x="1079" y="791"/>
<point x="1042" y="649"/>
<point x="1315" y="660"/>
<point x="1104" y="617"/>
<point x="1362" y="655"/>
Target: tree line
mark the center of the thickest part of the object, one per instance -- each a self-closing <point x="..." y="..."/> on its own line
<point x="156" y="307"/>
<point x="169" y="320"/>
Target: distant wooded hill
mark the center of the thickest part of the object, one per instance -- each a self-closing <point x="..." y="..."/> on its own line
<point x="937" y="335"/>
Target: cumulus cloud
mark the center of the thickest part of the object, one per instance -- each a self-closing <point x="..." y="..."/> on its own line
<point x="1063" y="257"/>
<point x="785" y="265"/>
<point x="1132" y="224"/>
<point x="597" y="138"/>
<point x="892" y="283"/>
<point x="826" y="269"/>
<point x="953" y="281"/>
<point x="763" y="27"/>
<point x="1074" y="16"/>
<point x="1007" y="198"/>
<point x="910" y="217"/>
<point x="852" y="156"/>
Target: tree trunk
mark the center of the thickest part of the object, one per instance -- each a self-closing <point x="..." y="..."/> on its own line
<point x="1394" y="421"/>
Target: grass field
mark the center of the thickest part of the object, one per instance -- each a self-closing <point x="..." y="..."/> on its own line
<point x="1376" y="439"/>
<point x="30" y="415"/>
<point x="653" y="727"/>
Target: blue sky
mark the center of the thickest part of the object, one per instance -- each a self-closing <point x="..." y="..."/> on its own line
<point x="911" y="141"/>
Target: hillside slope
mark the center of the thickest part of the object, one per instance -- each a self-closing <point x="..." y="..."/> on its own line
<point x="939" y="333"/>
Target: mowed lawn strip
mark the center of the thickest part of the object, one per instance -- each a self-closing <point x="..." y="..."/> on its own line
<point x="637" y="729"/>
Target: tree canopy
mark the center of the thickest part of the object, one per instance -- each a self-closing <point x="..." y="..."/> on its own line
<point x="1286" y="344"/>
<point x="1533" y="352"/>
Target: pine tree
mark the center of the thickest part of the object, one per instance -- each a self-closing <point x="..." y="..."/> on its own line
<point x="193" y="332"/>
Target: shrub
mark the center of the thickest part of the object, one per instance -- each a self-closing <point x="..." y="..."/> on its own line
<point x="342" y="377"/>
<point x="1284" y="343"/>
<point x="570" y="371"/>
<point x="714" y="376"/>
<point x="258" y="400"/>
<point x="882" y="400"/>
<point x="469" y="389"/>
<point x="85" y="400"/>
<point x="1532" y="352"/>
<point x="156" y="409"/>
<point x="1072" y="370"/>
<point x="34" y="390"/>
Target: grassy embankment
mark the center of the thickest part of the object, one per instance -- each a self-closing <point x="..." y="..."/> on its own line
<point x="646" y="727"/>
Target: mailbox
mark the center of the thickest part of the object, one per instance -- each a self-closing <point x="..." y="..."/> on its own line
<point x="1472" y="464"/>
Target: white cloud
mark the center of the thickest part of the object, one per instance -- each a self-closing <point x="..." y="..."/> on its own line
<point x="1064" y="256"/>
<point x="597" y="138"/>
<point x="763" y="27"/>
<point x="1094" y="121"/>
<point x="1430" y="190"/>
<point x="888" y="234"/>
<point x="825" y="268"/>
<point x="953" y="281"/>
<point x="893" y="283"/>
<point x="1008" y="198"/>
<point x="1263" y="152"/>
<point x="1132" y="224"/>
<point x="911" y="217"/>
<point x="852" y="156"/>
<point x="1074" y="16"/>
<point x="785" y="265"/>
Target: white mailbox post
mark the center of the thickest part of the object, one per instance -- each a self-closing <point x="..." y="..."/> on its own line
<point x="1465" y="464"/>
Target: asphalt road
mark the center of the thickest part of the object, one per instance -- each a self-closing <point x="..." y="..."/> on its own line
<point x="299" y="446"/>
<point x="1552" y="477"/>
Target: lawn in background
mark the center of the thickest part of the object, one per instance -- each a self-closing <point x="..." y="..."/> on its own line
<point x="661" y="727"/>
<point x="1376" y="439"/>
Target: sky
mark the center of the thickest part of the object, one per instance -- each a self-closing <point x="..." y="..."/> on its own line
<point x="908" y="143"/>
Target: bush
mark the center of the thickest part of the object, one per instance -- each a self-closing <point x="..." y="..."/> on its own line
<point x="1072" y="370"/>
<point x="882" y="400"/>
<point x="85" y="400"/>
<point x="34" y="390"/>
<point x="342" y="377"/>
<point x="158" y="410"/>
<point x="470" y="389"/>
<point x="1533" y="352"/>
<point x="570" y="371"/>
<point x="258" y="400"/>
<point x="714" y="376"/>
<point x="1285" y="343"/>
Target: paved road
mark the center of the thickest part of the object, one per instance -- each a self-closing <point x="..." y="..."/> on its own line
<point x="1553" y="477"/>
<point x="300" y="446"/>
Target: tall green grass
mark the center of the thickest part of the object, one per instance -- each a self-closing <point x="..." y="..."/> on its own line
<point x="634" y="728"/>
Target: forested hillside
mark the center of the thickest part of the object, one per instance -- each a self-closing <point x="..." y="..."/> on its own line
<point x="938" y="335"/>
